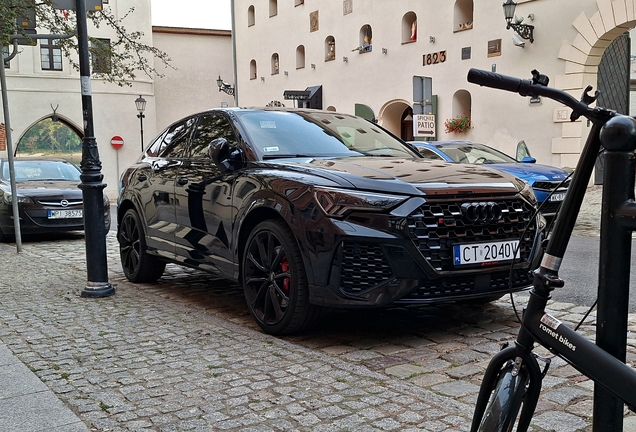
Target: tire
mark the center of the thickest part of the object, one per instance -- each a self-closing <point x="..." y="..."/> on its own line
<point x="138" y="266"/>
<point x="505" y="401"/>
<point x="275" y="280"/>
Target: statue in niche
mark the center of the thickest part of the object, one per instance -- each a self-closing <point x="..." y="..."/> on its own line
<point x="366" y="44"/>
<point x="414" y="31"/>
<point x="276" y="64"/>
<point x="331" y="54"/>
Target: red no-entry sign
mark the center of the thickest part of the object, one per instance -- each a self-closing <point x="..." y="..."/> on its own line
<point x="117" y="142"/>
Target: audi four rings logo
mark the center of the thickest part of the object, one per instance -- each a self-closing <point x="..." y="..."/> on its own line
<point x="64" y="203"/>
<point x="481" y="211"/>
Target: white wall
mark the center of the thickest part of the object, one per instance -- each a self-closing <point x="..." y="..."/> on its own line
<point x="375" y="79"/>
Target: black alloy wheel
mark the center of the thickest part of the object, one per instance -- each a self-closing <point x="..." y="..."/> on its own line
<point x="275" y="281"/>
<point x="137" y="264"/>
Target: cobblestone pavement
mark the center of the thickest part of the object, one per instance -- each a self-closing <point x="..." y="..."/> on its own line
<point x="184" y="354"/>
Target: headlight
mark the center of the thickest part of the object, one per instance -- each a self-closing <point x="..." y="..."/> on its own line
<point x="338" y="203"/>
<point x="21" y="199"/>
<point x="526" y="191"/>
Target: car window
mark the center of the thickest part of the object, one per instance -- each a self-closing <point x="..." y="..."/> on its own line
<point x="475" y="154"/>
<point x="155" y="146"/>
<point x="175" y="141"/>
<point x="209" y="128"/>
<point x="429" y="154"/>
<point x="40" y="170"/>
<point x="320" y="134"/>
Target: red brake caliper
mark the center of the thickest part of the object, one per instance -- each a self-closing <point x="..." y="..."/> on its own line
<point x="284" y="265"/>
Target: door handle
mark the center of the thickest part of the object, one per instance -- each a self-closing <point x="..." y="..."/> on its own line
<point x="182" y="180"/>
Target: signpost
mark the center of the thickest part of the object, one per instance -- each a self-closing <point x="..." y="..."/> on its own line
<point x="424" y="125"/>
<point x="117" y="142"/>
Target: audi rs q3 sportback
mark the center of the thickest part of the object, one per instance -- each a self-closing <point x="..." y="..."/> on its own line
<point x="309" y="208"/>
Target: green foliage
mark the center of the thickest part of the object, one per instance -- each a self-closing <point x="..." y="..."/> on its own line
<point x="51" y="138"/>
<point x="125" y="56"/>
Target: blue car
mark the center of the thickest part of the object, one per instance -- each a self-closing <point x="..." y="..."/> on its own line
<point x="546" y="181"/>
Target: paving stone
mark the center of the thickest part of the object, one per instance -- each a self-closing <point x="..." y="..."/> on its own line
<point x="184" y="354"/>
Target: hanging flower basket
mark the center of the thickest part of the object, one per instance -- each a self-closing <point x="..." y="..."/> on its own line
<point x="459" y="124"/>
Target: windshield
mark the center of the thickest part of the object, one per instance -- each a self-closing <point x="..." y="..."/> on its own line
<point x="276" y="134"/>
<point x="41" y="170"/>
<point x="474" y="154"/>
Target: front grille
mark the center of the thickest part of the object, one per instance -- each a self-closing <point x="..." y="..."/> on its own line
<point x="466" y="285"/>
<point x="550" y="185"/>
<point x="58" y="222"/>
<point x="363" y="266"/>
<point x="437" y="225"/>
<point x="58" y="202"/>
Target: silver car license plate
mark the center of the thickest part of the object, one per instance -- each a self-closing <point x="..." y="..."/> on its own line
<point x="479" y="253"/>
<point x="556" y="197"/>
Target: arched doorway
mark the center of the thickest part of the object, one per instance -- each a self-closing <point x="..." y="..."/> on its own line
<point x="51" y="136"/>
<point x="397" y="117"/>
<point x="581" y="58"/>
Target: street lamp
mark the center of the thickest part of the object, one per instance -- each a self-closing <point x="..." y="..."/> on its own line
<point x="523" y="30"/>
<point x="225" y="87"/>
<point x="140" y="103"/>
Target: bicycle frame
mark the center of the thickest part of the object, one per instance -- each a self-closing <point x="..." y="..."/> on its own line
<point x="606" y="369"/>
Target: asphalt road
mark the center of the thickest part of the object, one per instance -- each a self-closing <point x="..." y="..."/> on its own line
<point x="580" y="273"/>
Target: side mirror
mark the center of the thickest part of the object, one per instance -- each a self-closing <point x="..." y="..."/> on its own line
<point x="219" y="152"/>
<point x="522" y="151"/>
<point x="528" y="159"/>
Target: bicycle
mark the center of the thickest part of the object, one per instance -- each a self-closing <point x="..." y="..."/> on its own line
<point x="512" y="382"/>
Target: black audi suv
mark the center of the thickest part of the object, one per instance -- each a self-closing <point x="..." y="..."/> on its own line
<point x="310" y="208"/>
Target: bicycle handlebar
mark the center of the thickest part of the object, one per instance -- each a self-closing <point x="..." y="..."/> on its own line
<point x="530" y="88"/>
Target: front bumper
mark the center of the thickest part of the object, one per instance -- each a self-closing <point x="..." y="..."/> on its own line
<point x="407" y="258"/>
<point x="36" y="221"/>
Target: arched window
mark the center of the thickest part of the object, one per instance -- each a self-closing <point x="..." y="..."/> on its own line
<point x="331" y="108"/>
<point x="409" y="27"/>
<point x="330" y="48"/>
<point x="300" y="57"/>
<point x="251" y="20"/>
<point x="463" y="18"/>
<point x="275" y="64"/>
<point x="253" y="71"/>
<point x="366" y="38"/>
<point x="462" y="104"/>
<point x="273" y="8"/>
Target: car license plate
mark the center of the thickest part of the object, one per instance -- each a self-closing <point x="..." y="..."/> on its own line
<point x="559" y="196"/>
<point x="479" y="253"/>
<point x="65" y="214"/>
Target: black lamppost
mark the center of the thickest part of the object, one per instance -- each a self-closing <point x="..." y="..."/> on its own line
<point x="141" y="107"/>
<point x="523" y="30"/>
<point x="91" y="177"/>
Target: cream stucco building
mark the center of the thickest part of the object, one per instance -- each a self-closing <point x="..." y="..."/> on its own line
<point x="293" y="45"/>
<point x="296" y="44"/>
<point x="36" y="89"/>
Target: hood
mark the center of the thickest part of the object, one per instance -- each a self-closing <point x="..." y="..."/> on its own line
<point x="405" y="176"/>
<point x="47" y="188"/>
<point x="532" y="172"/>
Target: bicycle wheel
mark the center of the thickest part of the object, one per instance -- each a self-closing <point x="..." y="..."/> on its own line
<point x="505" y="400"/>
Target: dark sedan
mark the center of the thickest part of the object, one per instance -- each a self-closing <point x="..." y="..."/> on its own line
<point x="48" y="197"/>
<point x="312" y="208"/>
